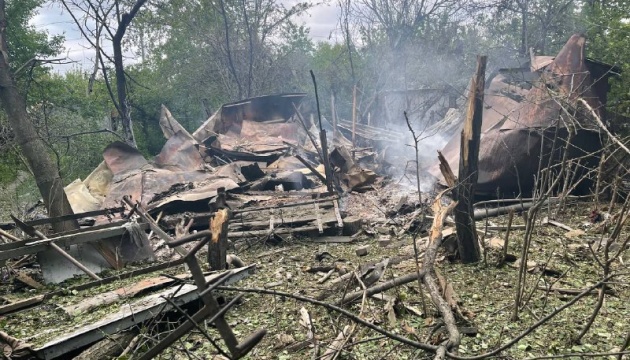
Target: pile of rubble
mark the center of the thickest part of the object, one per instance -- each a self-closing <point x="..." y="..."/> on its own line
<point x="254" y="171"/>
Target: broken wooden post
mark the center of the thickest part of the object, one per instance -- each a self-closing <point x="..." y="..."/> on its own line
<point x="313" y="170"/>
<point x="447" y="172"/>
<point x="217" y="247"/>
<point x="468" y="169"/>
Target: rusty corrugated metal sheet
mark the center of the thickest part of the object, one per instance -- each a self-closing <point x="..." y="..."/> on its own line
<point x="230" y="117"/>
<point x="136" y="177"/>
<point x="517" y="121"/>
<point x="180" y="153"/>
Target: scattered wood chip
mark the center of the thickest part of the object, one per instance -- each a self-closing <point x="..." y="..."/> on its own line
<point x="24" y="278"/>
<point x="362" y="250"/>
<point x="337" y="344"/>
<point x="283" y="340"/>
<point x="305" y="321"/>
<point x="384" y="240"/>
<point x="272" y="284"/>
<point x="495" y="243"/>
<point x="546" y="220"/>
<point x="326" y="277"/>
<point x="391" y="314"/>
<point x="413" y="310"/>
<point x="574" y="234"/>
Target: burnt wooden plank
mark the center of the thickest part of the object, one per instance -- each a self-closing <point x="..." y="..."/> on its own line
<point x="53" y="220"/>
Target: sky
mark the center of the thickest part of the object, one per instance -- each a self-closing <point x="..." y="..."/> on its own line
<point x="321" y="20"/>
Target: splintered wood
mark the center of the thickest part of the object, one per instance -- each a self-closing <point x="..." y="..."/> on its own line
<point x="216" y="224"/>
<point x="217" y="248"/>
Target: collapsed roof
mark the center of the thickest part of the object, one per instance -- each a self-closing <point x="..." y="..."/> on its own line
<point x="254" y="130"/>
<point x="531" y="113"/>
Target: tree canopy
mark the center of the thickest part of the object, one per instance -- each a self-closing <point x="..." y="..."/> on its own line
<point x="194" y="56"/>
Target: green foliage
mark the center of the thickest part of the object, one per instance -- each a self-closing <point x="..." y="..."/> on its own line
<point x="545" y="25"/>
<point x="9" y="163"/>
<point x="608" y="31"/>
<point x="188" y="65"/>
<point x="66" y="116"/>
<point x="331" y="65"/>
<point x="25" y="42"/>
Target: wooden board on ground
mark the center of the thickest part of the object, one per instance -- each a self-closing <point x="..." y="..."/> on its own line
<point x="129" y="315"/>
<point x="120" y="293"/>
<point x="332" y="240"/>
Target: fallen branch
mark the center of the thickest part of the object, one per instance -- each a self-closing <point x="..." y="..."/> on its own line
<point x="430" y="279"/>
<point x="417" y="344"/>
<point x="344" y="312"/>
<point x="565" y="291"/>
<point x="604" y="127"/>
<point x="401" y="280"/>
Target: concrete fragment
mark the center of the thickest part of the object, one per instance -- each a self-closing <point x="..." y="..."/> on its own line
<point x="384" y="240"/>
<point x="362" y="250"/>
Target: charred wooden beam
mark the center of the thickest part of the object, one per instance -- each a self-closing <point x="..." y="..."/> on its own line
<point x="468" y="168"/>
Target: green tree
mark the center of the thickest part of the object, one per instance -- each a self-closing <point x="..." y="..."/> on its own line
<point x="608" y="33"/>
<point x="211" y="52"/>
<point x="188" y="65"/>
<point x="103" y="22"/>
<point x="26" y="45"/>
<point x="31" y="144"/>
<point x="73" y="121"/>
<point x="541" y="25"/>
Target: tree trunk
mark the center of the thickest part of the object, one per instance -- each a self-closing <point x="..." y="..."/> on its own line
<point x="32" y="146"/>
<point x="468" y="169"/>
<point x="121" y="80"/>
<point x="524" y="5"/>
<point x="121" y="89"/>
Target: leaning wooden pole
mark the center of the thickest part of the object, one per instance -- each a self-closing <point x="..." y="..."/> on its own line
<point x="323" y="140"/>
<point x="468" y="168"/>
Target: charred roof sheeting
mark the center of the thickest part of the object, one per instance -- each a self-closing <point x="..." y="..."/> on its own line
<point x="135" y="176"/>
<point x="521" y="118"/>
<point x="229" y="118"/>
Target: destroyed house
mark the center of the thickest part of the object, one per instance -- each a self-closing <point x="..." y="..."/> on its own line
<point x="530" y="113"/>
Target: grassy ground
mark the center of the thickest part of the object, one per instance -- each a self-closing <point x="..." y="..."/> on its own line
<point x="485" y="292"/>
<point x="17" y="196"/>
